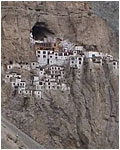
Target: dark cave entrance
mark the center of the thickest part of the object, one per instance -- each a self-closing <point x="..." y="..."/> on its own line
<point x="40" y="31"/>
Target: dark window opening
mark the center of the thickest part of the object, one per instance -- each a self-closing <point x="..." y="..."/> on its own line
<point x="40" y="83"/>
<point x="44" y="52"/>
<point x="11" y="62"/>
<point x="41" y="69"/>
<point x="114" y="63"/>
<point x="65" y="54"/>
<point x="60" y="54"/>
<point x="44" y="56"/>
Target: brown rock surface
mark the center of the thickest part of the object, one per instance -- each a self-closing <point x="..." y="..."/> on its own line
<point x="85" y="117"/>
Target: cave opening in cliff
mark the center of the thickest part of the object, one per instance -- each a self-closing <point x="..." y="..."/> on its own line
<point x="40" y="30"/>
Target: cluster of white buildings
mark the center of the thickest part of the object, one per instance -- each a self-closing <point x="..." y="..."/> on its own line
<point x="49" y="67"/>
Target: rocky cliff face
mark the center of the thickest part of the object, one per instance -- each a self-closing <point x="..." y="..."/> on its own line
<point x="85" y="117"/>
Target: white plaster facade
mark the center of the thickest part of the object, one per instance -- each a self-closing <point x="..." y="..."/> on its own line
<point x="42" y="57"/>
<point x="38" y="94"/>
<point x="41" y="72"/>
<point x="92" y="54"/>
<point x="27" y="92"/>
<point x="22" y="85"/>
<point x="79" y="48"/>
<point x="9" y="67"/>
<point x="76" y="62"/>
<point x="115" y="64"/>
<point x="63" y="87"/>
<point x="34" y="65"/>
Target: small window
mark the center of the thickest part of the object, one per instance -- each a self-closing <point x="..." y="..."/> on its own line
<point x="56" y="54"/>
<point x="44" y="56"/>
<point x="49" y="87"/>
<point x="79" y="58"/>
<point x="93" y="55"/>
<point x="41" y="69"/>
<point x="114" y="63"/>
<point x="38" y="52"/>
<point x="44" y="52"/>
<point x="50" y="56"/>
<point x="65" y="54"/>
<point x="60" y="54"/>
<point x="13" y="83"/>
<point x="48" y="83"/>
<point x="40" y="83"/>
<point x="79" y="62"/>
<point x="72" y="62"/>
<point x="10" y="62"/>
<point x="33" y="64"/>
<point x="38" y="55"/>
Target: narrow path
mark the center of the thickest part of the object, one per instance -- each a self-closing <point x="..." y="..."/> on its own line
<point x="30" y="143"/>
